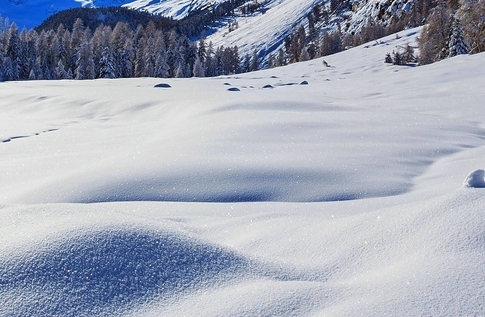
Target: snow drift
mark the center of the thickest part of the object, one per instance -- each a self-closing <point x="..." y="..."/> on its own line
<point x="341" y="197"/>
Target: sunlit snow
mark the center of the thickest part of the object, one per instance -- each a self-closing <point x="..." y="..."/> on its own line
<point x="357" y="193"/>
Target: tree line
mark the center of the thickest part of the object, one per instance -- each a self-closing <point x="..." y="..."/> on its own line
<point x="106" y="52"/>
<point x="453" y="28"/>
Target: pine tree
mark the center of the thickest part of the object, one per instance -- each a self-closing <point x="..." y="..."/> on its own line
<point x="408" y="54"/>
<point x="32" y="75"/>
<point x="198" y="70"/>
<point x="179" y="71"/>
<point x="255" y="61"/>
<point x="281" y="59"/>
<point x="139" y="57"/>
<point x="77" y="37"/>
<point x="107" y="69"/>
<point x="13" y="51"/>
<point x="85" y="68"/>
<point x="7" y="69"/>
<point x="161" y="67"/>
<point x="246" y="66"/>
<point x="304" y="56"/>
<point x="456" y="41"/>
<point x="149" y="58"/>
<point x="311" y="24"/>
<point x="388" y="58"/>
<point x="1" y="59"/>
<point x="201" y="50"/>
<point x="61" y="70"/>
<point x="121" y="44"/>
<point x="125" y="62"/>
<point x="397" y="58"/>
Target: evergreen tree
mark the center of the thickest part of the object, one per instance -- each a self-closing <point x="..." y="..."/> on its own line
<point x="209" y="63"/>
<point x="77" y="37"/>
<point x="14" y="51"/>
<point x="149" y="58"/>
<point x="397" y="58"/>
<point x="1" y="59"/>
<point x="161" y="67"/>
<point x="61" y="70"/>
<point x="139" y="62"/>
<point x="107" y="69"/>
<point x="408" y="54"/>
<point x="281" y="59"/>
<point x="246" y="66"/>
<point x="28" y="52"/>
<point x="311" y="24"/>
<point x="201" y="50"/>
<point x="198" y="70"/>
<point x="255" y="61"/>
<point x="121" y="49"/>
<point x="7" y="69"/>
<point x="125" y="62"/>
<point x="32" y="75"/>
<point x="304" y="56"/>
<point x="85" y="62"/>
<point x="179" y="71"/>
<point x="388" y="58"/>
<point x="456" y="41"/>
<point x="271" y="61"/>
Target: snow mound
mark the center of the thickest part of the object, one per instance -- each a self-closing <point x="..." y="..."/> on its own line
<point x="475" y="179"/>
<point x="86" y="273"/>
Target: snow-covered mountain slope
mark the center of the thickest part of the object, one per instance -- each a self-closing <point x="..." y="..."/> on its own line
<point x="257" y="31"/>
<point x="176" y="9"/>
<point x="264" y="33"/>
<point x="240" y="162"/>
<point x="30" y="13"/>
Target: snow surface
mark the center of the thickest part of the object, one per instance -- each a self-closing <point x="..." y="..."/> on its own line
<point x="264" y="33"/>
<point x="341" y="197"/>
<point x="176" y="9"/>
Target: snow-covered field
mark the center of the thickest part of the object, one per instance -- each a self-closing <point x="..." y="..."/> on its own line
<point x="344" y="196"/>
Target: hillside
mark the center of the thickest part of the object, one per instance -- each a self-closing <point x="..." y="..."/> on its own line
<point x="262" y="29"/>
<point x="303" y="190"/>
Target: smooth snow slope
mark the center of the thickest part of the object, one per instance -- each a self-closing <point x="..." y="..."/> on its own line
<point x="340" y="197"/>
<point x="264" y="33"/>
<point x="176" y="9"/>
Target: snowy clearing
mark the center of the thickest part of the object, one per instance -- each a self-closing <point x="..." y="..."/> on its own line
<point x="358" y="193"/>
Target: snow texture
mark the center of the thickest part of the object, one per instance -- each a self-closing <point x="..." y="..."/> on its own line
<point x="342" y="197"/>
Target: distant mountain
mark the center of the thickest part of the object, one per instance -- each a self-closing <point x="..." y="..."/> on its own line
<point x="176" y="9"/>
<point x="31" y="13"/>
<point x="266" y="29"/>
<point x="254" y="25"/>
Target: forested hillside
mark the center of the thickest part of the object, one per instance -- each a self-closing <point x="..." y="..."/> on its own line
<point x="120" y="42"/>
<point x="120" y="52"/>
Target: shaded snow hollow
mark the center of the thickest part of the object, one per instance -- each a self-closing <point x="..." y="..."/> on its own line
<point x="341" y="197"/>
